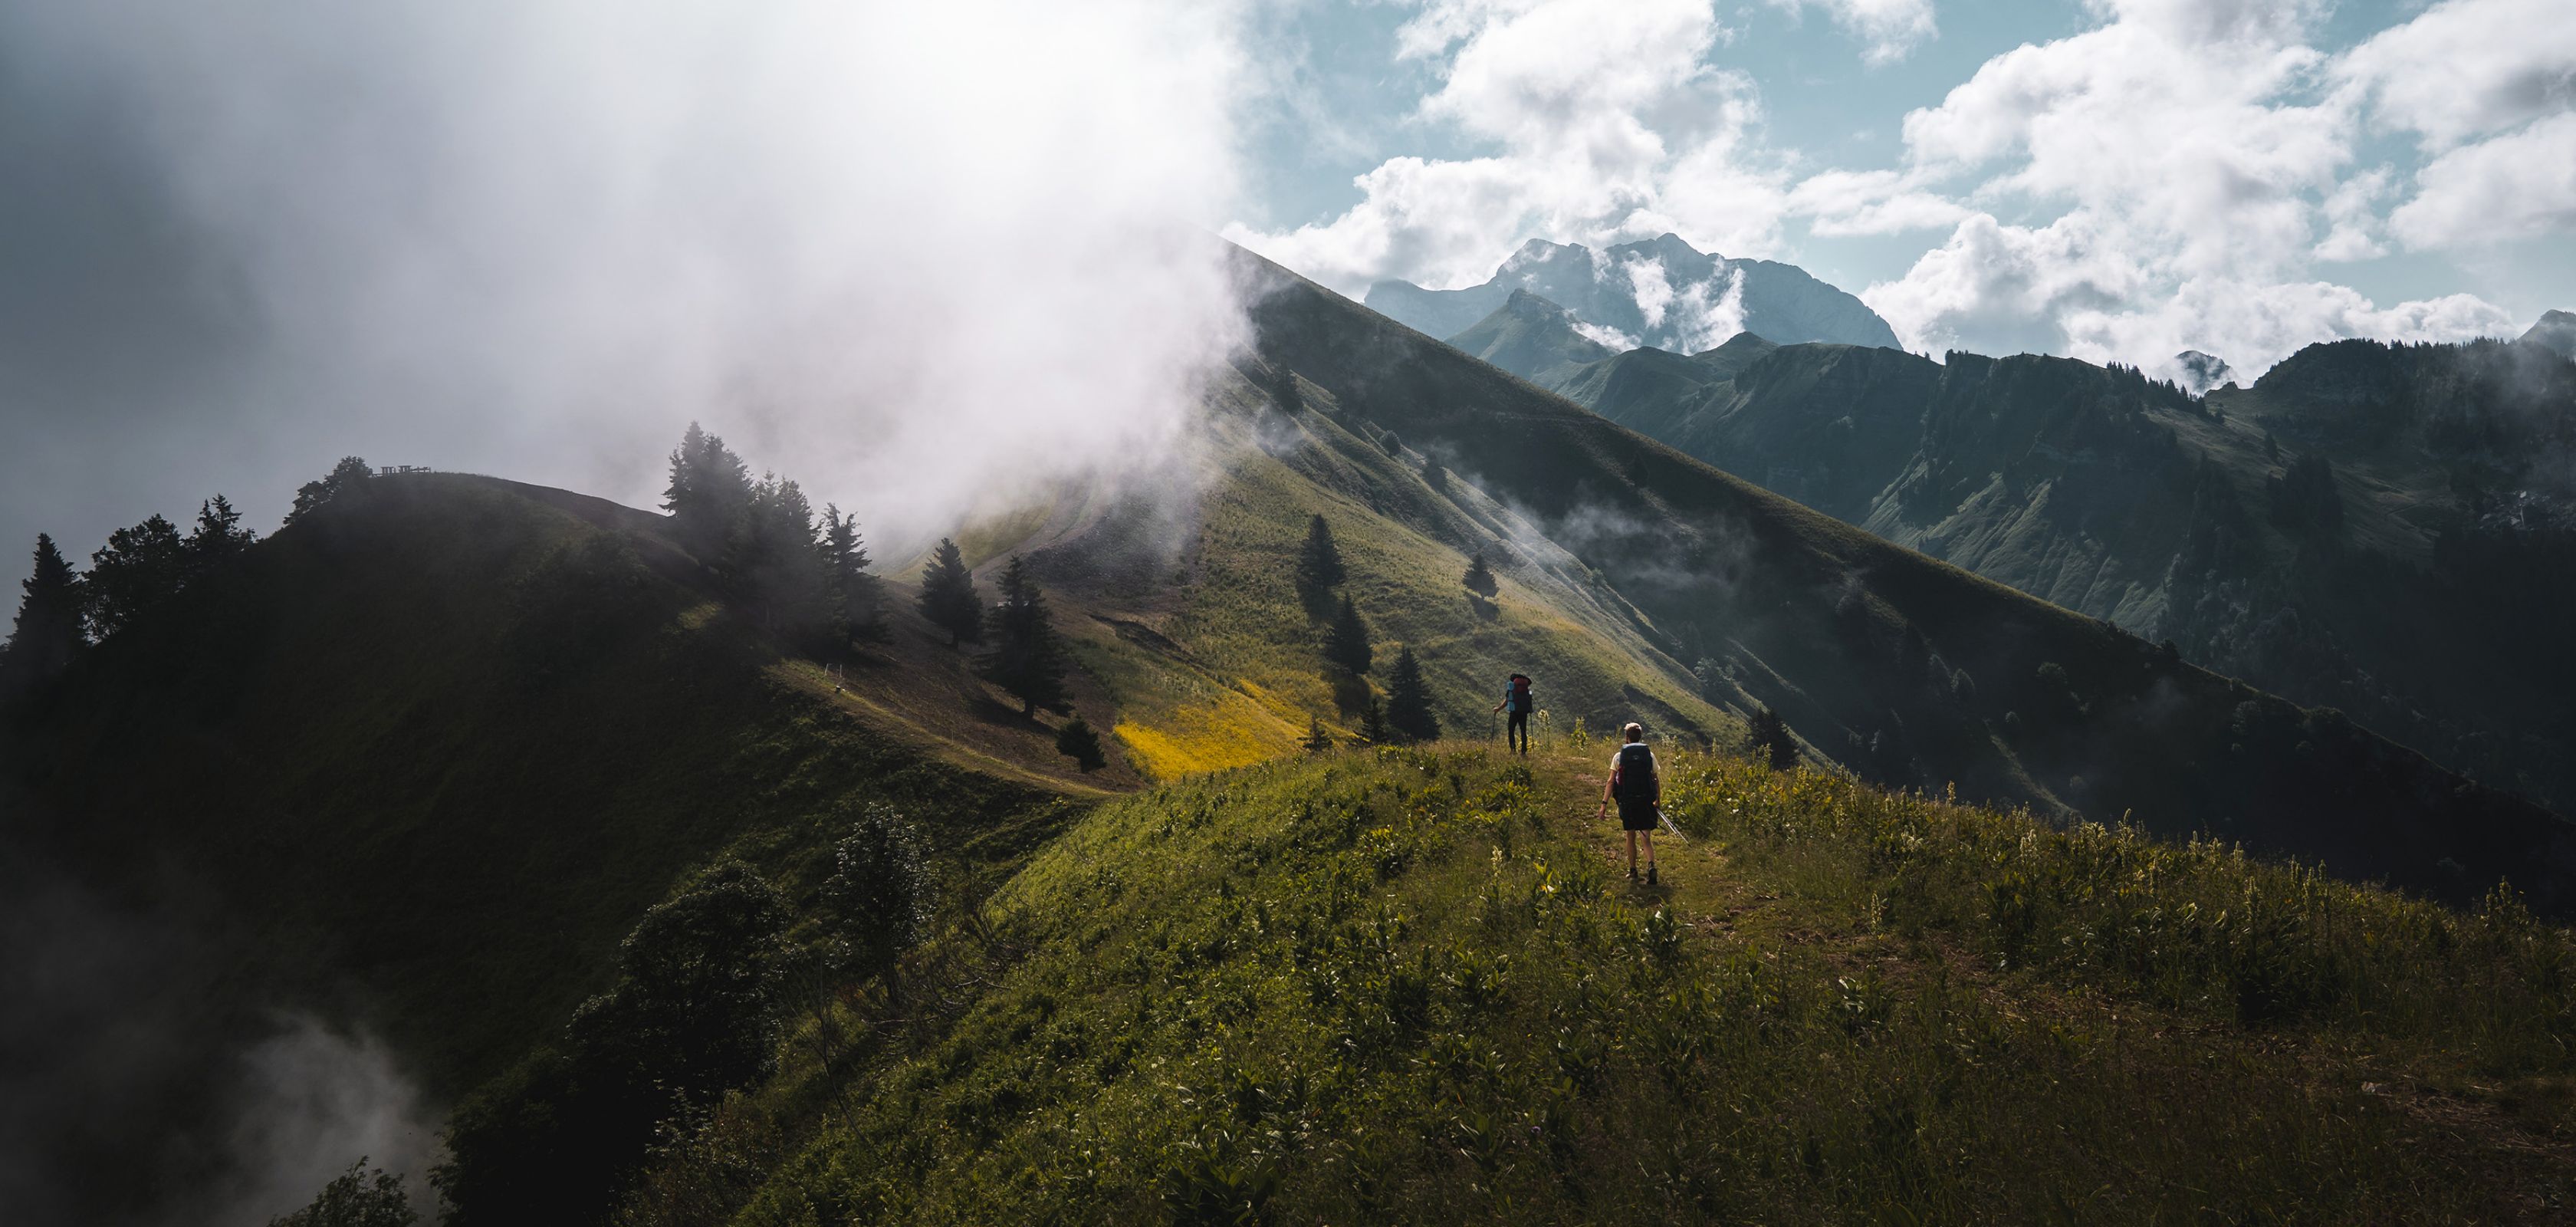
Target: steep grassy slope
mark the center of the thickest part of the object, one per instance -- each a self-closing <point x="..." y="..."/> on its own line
<point x="1410" y="986"/>
<point x="1913" y="671"/>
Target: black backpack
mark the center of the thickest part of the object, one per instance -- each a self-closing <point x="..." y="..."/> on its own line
<point x="1520" y="693"/>
<point x="1637" y="780"/>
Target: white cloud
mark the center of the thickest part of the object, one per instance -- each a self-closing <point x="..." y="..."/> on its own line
<point x="2467" y="67"/>
<point x="1605" y="122"/>
<point x="2176" y="127"/>
<point x="2196" y="149"/>
<point x="1842" y="202"/>
<point x="2352" y="209"/>
<point x="1888" y="29"/>
<point x="2513" y="186"/>
<point x="907" y="254"/>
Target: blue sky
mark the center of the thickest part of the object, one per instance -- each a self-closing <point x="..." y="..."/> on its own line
<point x="2115" y="180"/>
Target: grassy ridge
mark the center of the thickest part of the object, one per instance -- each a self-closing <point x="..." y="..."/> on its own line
<point x="449" y="741"/>
<point x="1410" y="986"/>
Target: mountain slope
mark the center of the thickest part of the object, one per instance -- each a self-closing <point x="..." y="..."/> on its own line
<point x="1911" y="670"/>
<point x="2554" y="330"/>
<point x="1532" y="338"/>
<point x="1660" y="291"/>
<point x="2409" y="588"/>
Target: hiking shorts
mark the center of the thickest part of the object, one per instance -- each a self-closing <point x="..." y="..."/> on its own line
<point x="1638" y="815"/>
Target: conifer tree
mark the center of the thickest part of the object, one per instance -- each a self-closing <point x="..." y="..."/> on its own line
<point x="138" y="568"/>
<point x="1480" y="578"/>
<point x="218" y="536"/>
<point x="1319" y="561"/>
<point x="948" y="596"/>
<point x="1408" y="700"/>
<point x="710" y="490"/>
<point x="1346" y="641"/>
<point x="852" y="592"/>
<point x="1026" y="658"/>
<point x="1766" y="737"/>
<point x="48" y="633"/>
<point x="1317" y="740"/>
<point x="1373" y="722"/>
<point x="1079" y="742"/>
<point x="771" y="559"/>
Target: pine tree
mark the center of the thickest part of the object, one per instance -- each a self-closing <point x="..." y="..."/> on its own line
<point x="852" y="592"/>
<point x="1317" y="740"/>
<point x="773" y="561"/>
<point x="1480" y="578"/>
<point x="1408" y="700"/>
<point x="710" y="491"/>
<point x="138" y="569"/>
<point x="1079" y="742"/>
<point x="1434" y="476"/>
<point x="1346" y="641"/>
<point x="48" y="632"/>
<point x="1767" y="736"/>
<point x="1373" y="722"/>
<point x="1319" y="561"/>
<point x="218" y="537"/>
<point x="1026" y="658"/>
<point x="948" y="596"/>
<point x="2271" y="448"/>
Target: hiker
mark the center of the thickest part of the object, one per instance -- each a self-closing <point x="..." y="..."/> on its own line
<point x="1637" y="783"/>
<point x="1516" y="700"/>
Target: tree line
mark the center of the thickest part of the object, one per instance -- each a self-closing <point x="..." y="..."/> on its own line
<point x="803" y="578"/>
<point x="62" y="611"/>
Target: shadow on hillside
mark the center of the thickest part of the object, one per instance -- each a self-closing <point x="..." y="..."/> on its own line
<point x="1003" y="715"/>
<point x="1317" y="601"/>
<point x="1350" y="690"/>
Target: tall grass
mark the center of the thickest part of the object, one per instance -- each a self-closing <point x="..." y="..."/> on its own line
<point x="1401" y="986"/>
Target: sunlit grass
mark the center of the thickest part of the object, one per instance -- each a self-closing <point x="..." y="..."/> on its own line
<point x="1410" y="986"/>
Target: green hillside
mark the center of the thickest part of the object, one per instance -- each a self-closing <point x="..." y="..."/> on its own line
<point x="1911" y="671"/>
<point x="2377" y="529"/>
<point x="1410" y="986"/>
<point x="513" y="778"/>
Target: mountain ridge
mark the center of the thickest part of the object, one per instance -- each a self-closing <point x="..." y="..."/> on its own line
<point x="1660" y="291"/>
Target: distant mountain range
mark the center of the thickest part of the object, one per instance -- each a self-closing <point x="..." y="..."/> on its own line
<point x="1661" y="292"/>
<point x="2387" y="530"/>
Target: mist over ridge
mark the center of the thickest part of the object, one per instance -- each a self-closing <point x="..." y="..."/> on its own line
<point x="920" y="250"/>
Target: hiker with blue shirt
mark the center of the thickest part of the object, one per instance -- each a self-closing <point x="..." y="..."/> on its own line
<point x="1637" y="784"/>
<point x="1516" y="700"/>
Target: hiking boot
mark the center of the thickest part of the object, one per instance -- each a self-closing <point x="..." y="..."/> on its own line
<point x="1650" y="875"/>
<point x="1632" y="873"/>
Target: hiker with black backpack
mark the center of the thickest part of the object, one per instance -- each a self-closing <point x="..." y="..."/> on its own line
<point x="1516" y="700"/>
<point x="1637" y="784"/>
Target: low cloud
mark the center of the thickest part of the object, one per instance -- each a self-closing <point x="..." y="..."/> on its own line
<point x="909" y="255"/>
